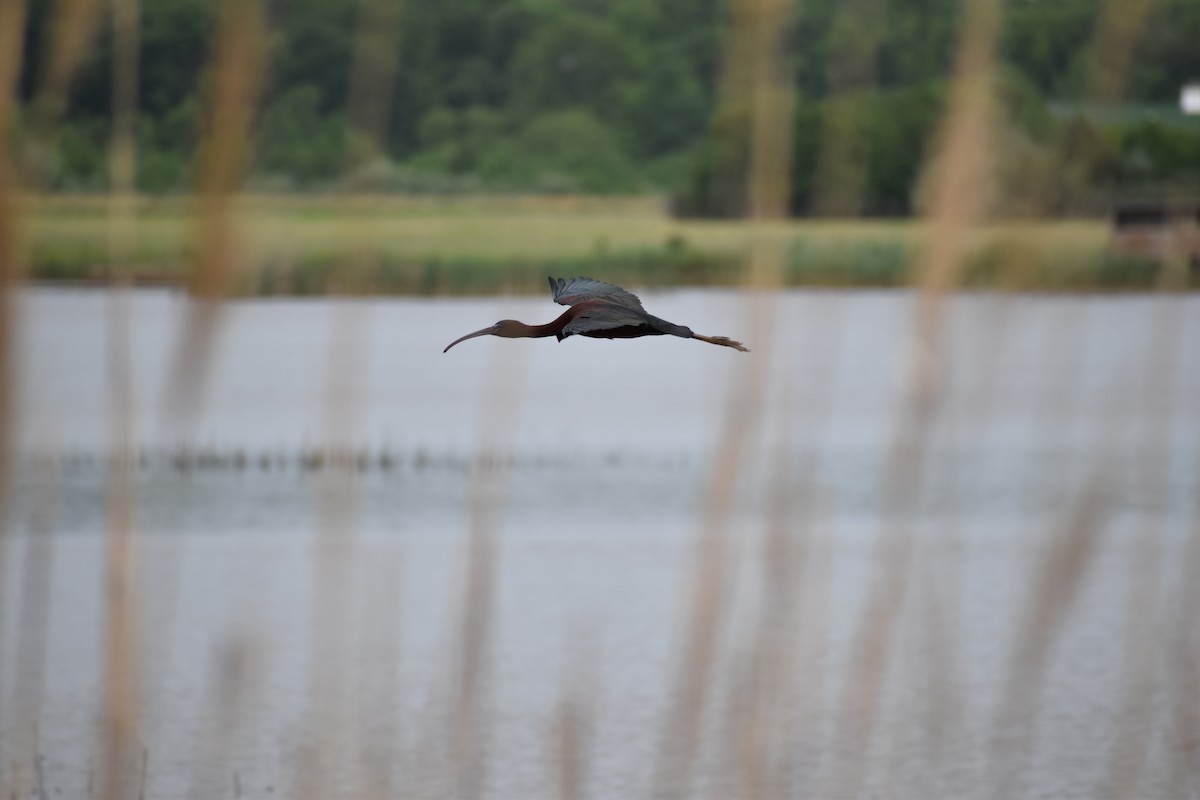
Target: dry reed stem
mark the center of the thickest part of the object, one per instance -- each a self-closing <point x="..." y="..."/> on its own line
<point x="800" y="518"/>
<point x="126" y="30"/>
<point x="755" y="66"/>
<point x="372" y="74"/>
<point x="236" y="74"/>
<point x="760" y="727"/>
<point x="1053" y="590"/>
<point x="379" y="690"/>
<point x="931" y="655"/>
<point x="467" y="756"/>
<point x="772" y="114"/>
<point x="499" y="414"/>
<point x="333" y="676"/>
<point x="12" y="37"/>
<point x="1143" y="664"/>
<point x="1058" y="572"/>
<point x="1119" y="25"/>
<point x="841" y="167"/>
<point x="762" y="723"/>
<point x="368" y="109"/>
<point x="733" y="84"/>
<point x="962" y="163"/>
<point x="928" y="690"/>
<point x="709" y="593"/>
<point x="233" y="672"/>
<point x="73" y="28"/>
<point x="121" y="685"/>
<point x="121" y="698"/>
<point x="1115" y="39"/>
<point x="572" y="724"/>
<point x="12" y="26"/>
<point x="871" y="654"/>
<point x="1183" y="683"/>
<point x="570" y="731"/>
<point x="122" y="156"/>
<point x="1184" y="725"/>
<point x="33" y="618"/>
<point x="951" y="741"/>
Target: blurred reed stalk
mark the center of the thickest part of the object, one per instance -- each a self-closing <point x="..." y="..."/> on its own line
<point x="33" y="626"/>
<point x="235" y="78"/>
<point x="961" y="164"/>
<point x="330" y="713"/>
<point x="771" y="652"/>
<point x="1050" y="584"/>
<point x="121" y="706"/>
<point x="761" y="727"/>
<point x="334" y="716"/>
<point x="794" y="638"/>
<point x="73" y="28"/>
<point x="755" y="68"/>
<point x="1115" y="39"/>
<point x="379" y="693"/>
<point x="234" y="75"/>
<point x="12" y="41"/>
<point x="1182" y="627"/>
<point x="503" y="389"/>
<point x="1059" y="577"/>
<point x="1054" y="587"/>
<point x="932" y="672"/>
<point x="372" y="75"/>
<point x="1143" y="609"/>
<point x="841" y="168"/>
<point x="12" y="27"/>
<point x="235" y="670"/>
<point x="1183" y="687"/>
<point x="572" y="727"/>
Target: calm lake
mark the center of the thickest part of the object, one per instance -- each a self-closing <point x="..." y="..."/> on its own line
<point x="496" y="594"/>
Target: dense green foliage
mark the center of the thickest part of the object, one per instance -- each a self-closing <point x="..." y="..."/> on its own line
<point x="606" y="96"/>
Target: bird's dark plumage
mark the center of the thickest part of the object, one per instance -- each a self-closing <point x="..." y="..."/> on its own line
<point x="579" y="290"/>
<point x="598" y="310"/>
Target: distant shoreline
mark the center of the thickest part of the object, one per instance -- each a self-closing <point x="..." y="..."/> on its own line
<point x="400" y="245"/>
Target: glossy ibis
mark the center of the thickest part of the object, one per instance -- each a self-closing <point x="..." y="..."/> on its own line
<point x="599" y="310"/>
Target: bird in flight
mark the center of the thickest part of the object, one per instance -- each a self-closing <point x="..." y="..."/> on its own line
<point x="598" y="310"/>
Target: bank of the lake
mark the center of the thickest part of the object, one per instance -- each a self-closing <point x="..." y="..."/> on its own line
<point x="398" y="245"/>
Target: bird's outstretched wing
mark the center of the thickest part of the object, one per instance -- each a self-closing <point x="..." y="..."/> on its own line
<point x="604" y="318"/>
<point x="577" y="290"/>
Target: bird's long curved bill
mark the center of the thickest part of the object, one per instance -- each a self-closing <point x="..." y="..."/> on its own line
<point x="484" y="332"/>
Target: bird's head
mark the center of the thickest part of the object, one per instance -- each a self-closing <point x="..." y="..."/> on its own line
<point x="508" y="328"/>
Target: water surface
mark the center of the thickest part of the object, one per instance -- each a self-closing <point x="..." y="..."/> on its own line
<point x="286" y="610"/>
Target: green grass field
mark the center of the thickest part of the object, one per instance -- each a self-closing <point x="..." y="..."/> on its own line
<point x="484" y="244"/>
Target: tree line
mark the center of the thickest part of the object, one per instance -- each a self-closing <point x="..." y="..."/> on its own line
<point x="611" y="96"/>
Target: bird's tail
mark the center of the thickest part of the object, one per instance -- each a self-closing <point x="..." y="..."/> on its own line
<point x="724" y="341"/>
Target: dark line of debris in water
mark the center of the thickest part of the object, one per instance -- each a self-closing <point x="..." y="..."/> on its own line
<point x="358" y="460"/>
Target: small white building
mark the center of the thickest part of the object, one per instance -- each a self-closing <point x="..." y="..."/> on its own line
<point x="1189" y="98"/>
